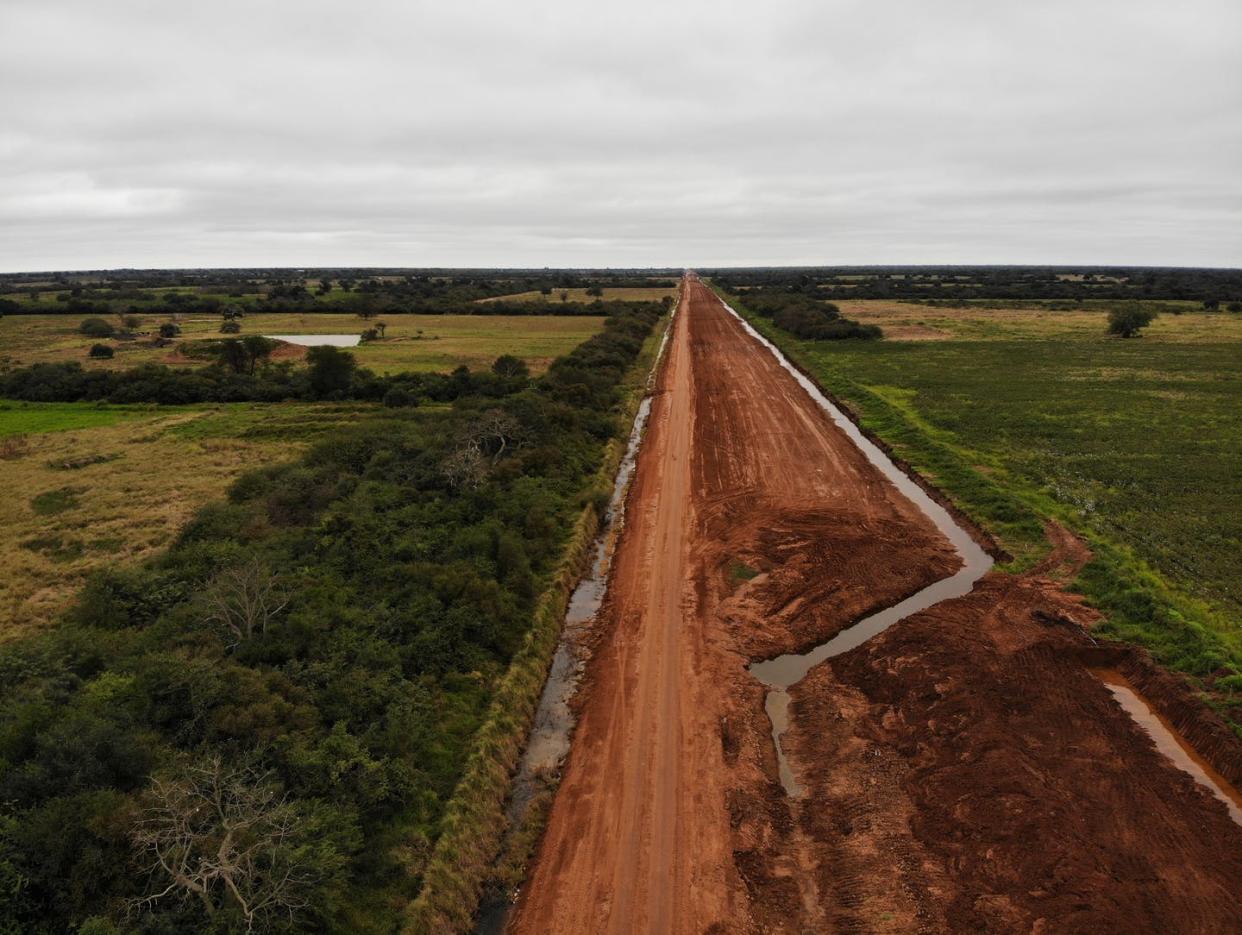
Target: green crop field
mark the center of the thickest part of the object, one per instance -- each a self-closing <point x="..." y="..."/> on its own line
<point x="411" y="342"/>
<point x="1025" y="415"/>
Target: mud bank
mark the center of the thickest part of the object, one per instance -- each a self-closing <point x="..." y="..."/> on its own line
<point x="964" y="770"/>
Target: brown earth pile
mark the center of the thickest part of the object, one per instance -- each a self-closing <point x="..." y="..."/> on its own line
<point x="964" y="771"/>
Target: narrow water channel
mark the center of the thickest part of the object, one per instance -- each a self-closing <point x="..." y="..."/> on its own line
<point x="1171" y="743"/>
<point x="783" y="672"/>
<point x="552" y="729"/>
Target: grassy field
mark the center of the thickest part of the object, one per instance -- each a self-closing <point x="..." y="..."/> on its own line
<point x="89" y="486"/>
<point x="411" y="342"/>
<point x="1027" y="415"/>
<point x="616" y="294"/>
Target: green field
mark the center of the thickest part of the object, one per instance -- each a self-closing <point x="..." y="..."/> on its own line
<point x="410" y="343"/>
<point x="90" y="486"/>
<point x="1135" y="444"/>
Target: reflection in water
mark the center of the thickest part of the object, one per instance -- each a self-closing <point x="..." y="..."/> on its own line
<point x="1169" y="742"/>
<point x="318" y="340"/>
<point x="783" y="672"/>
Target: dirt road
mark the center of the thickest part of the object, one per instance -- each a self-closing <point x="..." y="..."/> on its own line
<point x="963" y="771"/>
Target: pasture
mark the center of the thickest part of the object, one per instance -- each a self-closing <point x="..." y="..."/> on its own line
<point x="91" y="486"/>
<point x="420" y="343"/>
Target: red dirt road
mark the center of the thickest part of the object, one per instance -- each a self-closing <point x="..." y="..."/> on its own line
<point x="962" y="771"/>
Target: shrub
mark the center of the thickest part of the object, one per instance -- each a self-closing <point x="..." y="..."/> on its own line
<point x="96" y="328"/>
<point x="101" y="351"/>
<point x="230" y="327"/>
<point x="1128" y="322"/>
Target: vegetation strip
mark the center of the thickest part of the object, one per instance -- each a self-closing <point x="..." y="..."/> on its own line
<point x="320" y="652"/>
<point x="475" y="822"/>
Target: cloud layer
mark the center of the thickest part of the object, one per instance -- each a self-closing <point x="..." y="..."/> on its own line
<point x="145" y="133"/>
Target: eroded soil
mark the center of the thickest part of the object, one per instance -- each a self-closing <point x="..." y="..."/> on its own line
<point x="964" y="771"/>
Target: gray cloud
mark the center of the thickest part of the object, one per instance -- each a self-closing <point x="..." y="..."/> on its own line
<point x="139" y="133"/>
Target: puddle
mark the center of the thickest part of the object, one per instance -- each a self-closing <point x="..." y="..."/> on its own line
<point x="548" y="743"/>
<point x="318" y="340"/>
<point x="783" y="672"/>
<point x="552" y="730"/>
<point x="1169" y="742"/>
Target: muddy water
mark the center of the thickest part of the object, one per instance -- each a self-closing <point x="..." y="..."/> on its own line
<point x="548" y="743"/>
<point x="1169" y="742"/>
<point x="552" y="729"/>
<point x="318" y="340"/>
<point x="783" y="672"/>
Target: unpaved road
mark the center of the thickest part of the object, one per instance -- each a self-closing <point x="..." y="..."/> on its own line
<point x="964" y="772"/>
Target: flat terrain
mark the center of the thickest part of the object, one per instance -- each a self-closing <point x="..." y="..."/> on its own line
<point x="611" y="294"/>
<point x="89" y="486"/>
<point x="410" y="343"/>
<point x="965" y="772"/>
<point x="1025" y="415"/>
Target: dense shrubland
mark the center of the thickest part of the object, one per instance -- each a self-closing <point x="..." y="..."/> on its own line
<point x="265" y="723"/>
<point x="809" y="318"/>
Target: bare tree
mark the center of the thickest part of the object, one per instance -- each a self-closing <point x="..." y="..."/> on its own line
<point x="244" y="599"/>
<point x="465" y="467"/>
<point x="482" y="443"/>
<point x="226" y="836"/>
<point x="492" y="432"/>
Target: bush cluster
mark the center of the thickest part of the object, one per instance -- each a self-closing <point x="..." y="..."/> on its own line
<point x="398" y="563"/>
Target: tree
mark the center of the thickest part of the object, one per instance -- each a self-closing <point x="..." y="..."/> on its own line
<point x="331" y="369"/>
<point x="1234" y="307"/>
<point x="595" y="291"/>
<point x="243" y="600"/>
<point x="509" y="366"/>
<point x="380" y="327"/>
<point x="96" y="328"/>
<point x="564" y="296"/>
<point x="227" y="837"/>
<point x="101" y="351"/>
<point x="131" y="322"/>
<point x="169" y="330"/>
<point x="257" y="348"/>
<point x="230" y="327"/>
<point x="1211" y="305"/>
<point x="1128" y="322"/>
<point x="325" y="286"/>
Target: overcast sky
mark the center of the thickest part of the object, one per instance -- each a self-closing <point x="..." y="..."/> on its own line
<point x="151" y="133"/>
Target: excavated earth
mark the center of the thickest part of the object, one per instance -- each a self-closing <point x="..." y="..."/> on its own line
<point x="963" y="771"/>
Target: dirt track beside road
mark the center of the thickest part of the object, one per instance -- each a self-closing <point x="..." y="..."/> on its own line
<point x="964" y="772"/>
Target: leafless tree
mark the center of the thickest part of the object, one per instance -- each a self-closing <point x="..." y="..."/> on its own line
<point x="244" y="599"/>
<point x="492" y="432"/>
<point x="226" y="836"/>
<point x="465" y="467"/>
<point x="489" y="435"/>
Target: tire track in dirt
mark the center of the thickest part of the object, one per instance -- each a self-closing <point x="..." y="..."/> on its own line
<point x="964" y="770"/>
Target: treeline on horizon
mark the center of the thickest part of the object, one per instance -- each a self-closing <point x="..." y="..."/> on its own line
<point x="958" y="283"/>
<point x="365" y="292"/>
<point x="260" y="728"/>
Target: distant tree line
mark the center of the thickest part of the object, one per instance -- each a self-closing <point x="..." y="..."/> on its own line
<point x="991" y="282"/>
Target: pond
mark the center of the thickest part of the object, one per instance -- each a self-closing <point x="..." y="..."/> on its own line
<point x="318" y="340"/>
